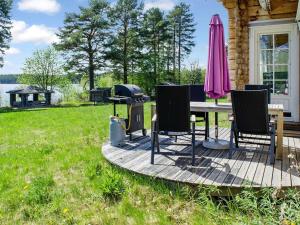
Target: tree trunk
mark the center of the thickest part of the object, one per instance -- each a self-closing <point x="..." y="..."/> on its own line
<point x="179" y="52"/>
<point x="91" y="74"/>
<point x="174" y="50"/>
<point x="125" y="56"/>
<point x="155" y="58"/>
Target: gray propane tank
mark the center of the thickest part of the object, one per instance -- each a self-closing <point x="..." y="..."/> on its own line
<point x="117" y="129"/>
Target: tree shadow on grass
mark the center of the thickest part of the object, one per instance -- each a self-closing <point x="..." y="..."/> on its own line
<point x="41" y="108"/>
<point x="17" y="110"/>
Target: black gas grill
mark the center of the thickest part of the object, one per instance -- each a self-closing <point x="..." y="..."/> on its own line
<point x="133" y="96"/>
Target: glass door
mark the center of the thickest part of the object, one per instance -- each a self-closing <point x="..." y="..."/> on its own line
<point x="274" y="62"/>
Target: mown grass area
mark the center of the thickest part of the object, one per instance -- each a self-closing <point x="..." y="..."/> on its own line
<point x="52" y="172"/>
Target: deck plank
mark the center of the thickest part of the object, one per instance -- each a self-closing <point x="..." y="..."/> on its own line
<point x="295" y="175"/>
<point x="285" y="174"/>
<point x="212" y="167"/>
<point x="205" y="169"/>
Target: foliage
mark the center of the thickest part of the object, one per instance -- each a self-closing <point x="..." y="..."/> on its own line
<point x="73" y="93"/>
<point x="106" y="80"/>
<point x="94" y="171"/>
<point x="112" y="185"/>
<point x="5" y="25"/>
<point x="39" y="191"/>
<point x="154" y="37"/>
<point x="43" y="69"/>
<point x="136" y="46"/>
<point x="64" y="142"/>
<point x="125" y="46"/>
<point x="194" y="75"/>
<point x="182" y="27"/>
<point x="82" y="39"/>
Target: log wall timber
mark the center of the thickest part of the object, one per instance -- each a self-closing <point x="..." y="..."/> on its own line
<point x="240" y="13"/>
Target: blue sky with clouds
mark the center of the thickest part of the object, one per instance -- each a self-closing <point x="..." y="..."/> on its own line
<point x="36" y="21"/>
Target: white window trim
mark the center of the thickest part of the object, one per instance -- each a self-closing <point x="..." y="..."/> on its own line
<point x="290" y="28"/>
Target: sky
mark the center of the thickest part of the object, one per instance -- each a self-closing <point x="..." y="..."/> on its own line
<point x="35" y="23"/>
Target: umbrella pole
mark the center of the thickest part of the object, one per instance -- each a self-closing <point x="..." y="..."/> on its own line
<point x="216" y="122"/>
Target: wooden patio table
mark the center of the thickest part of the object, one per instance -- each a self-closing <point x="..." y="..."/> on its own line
<point x="274" y="110"/>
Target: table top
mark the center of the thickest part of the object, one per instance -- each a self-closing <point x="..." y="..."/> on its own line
<point x="225" y="107"/>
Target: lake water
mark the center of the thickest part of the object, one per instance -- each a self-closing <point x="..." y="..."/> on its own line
<point x="4" y="97"/>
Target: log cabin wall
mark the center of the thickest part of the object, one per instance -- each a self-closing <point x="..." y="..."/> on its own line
<point x="240" y="13"/>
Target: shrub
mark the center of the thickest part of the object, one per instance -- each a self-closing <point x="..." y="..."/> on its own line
<point x="290" y="207"/>
<point x="94" y="171"/>
<point x="247" y="201"/>
<point x="40" y="190"/>
<point x="112" y="185"/>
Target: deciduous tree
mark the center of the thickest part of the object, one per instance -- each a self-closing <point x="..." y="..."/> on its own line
<point x="44" y="69"/>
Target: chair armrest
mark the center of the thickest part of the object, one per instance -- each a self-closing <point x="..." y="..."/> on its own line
<point x="193" y="118"/>
<point x="272" y="121"/>
<point x="154" y="118"/>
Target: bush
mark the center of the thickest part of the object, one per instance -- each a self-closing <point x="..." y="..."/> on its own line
<point x="40" y="191"/>
<point x="94" y="171"/>
<point x="112" y="185"/>
<point x="106" y="80"/>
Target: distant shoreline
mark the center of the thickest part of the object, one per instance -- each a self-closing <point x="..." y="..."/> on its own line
<point x="9" y="78"/>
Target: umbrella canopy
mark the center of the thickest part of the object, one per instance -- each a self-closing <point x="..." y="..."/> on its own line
<point x="217" y="82"/>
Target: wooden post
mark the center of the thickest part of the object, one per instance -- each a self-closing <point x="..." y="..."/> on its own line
<point x="35" y="97"/>
<point x="12" y="99"/>
<point x="279" y="149"/>
<point x="48" y="98"/>
<point x="24" y="100"/>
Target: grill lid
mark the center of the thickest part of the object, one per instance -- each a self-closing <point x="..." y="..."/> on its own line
<point x="128" y="90"/>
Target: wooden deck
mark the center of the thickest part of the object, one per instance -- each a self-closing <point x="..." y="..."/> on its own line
<point x="212" y="166"/>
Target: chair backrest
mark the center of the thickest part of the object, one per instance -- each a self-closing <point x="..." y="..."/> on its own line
<point x="250" y="109"/>
<point x="197" y="93"/>
<point x="249" y="87"/>
<point x="173" y="108"/>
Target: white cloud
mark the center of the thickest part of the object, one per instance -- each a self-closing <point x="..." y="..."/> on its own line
<point x="44" y="6"/>
<point x="38" y="34"/>
<point x="161" y="4"/>
<point x="12" y="51"/>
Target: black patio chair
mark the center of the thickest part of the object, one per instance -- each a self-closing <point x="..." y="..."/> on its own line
<point x="173" y="119"/>
<point x="198" y="95"/>
<point x="250" y="117"/>
<point x="249" y="87"/>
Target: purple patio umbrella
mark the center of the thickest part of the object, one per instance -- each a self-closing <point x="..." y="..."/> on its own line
<point x="217" y="81"/>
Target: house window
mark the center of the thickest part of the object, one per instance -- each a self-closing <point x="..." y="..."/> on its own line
<point x="274" y="62"/>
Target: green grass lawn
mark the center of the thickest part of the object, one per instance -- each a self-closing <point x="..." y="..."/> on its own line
<point x="52" y="172"/>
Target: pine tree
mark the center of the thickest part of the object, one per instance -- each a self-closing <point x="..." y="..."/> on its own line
<point x="183" y="28"/>
<point x="154" y="41"/>
<point x="125" y="46"/>
<point x="5" y="25"/>
<point x="83" y="38"/>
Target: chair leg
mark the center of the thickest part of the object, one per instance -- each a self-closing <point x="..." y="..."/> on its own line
<point x="272" y="146"/>
<point x="206" y="125"/>
<point x="157" y="142"/>
<point x="153" y="142"/>
<point x="193" y="144"/>
<point x="236" y="138"/>
<point x="231" y="148"/>
<point x="175" y="138"/>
